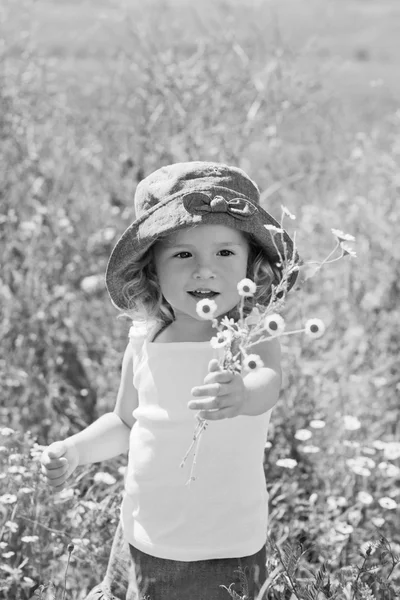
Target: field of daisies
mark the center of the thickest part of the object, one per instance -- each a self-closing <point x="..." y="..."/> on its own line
<point x="79" y="127"/>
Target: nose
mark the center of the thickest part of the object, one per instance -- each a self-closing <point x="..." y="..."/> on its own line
<point x="204" y="270"/>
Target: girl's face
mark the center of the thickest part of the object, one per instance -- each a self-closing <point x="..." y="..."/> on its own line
<point x="208" y="258"/>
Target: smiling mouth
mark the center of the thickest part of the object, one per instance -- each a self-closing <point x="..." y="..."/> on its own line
<point x="203" y="294"/>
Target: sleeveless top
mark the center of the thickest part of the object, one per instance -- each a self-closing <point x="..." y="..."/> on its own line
<point x="224" y="512"/>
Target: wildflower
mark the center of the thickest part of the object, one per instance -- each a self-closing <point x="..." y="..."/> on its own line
<point x="3" y="449"/>
<point x="252" y="362"/>
<point x="29" y="539"/>
<point x="92" y="284"/>
<point x="379" y="445"/>
<point x="122" y="470"/>
<point x="344" y="528"/>
<point x="12" y="526"/>
<point x="14" y="469"/>
<point x="8" y="554"/>
<point x="392" y="470"/>
<point x="310" y="449"/>
<point x="343" y="237"/>
<point x="103" y="477"/>
<point x="351" y="444"/>
<point x="206" y="308"/>
<point x="268" y="445"/>
<point x="303" y="434"/>
<point x="387" y="502"/>
<point x="358" y="468"/>
<point x="391" y="450"/>
<point x="6" y="431"/>
<point x="367" y="450"/>
<point x="314" y="328"/>
<point x="317" y="424"/>
<point x="287" y="212"/>
<point x="273" y="229"/>
<point x="351" y="423"/>
<point x="313" y="498"/>
<point x="222" y="339"/>
<point x="378" y="521"/>
<point x="286" y="463"/>
<point x="246" y="288"/>
<point x="274" y="324"/>
<point x="26" y="490"/>
<point x="365" y="498"/>
<point x="348" y="250"/>
<point x="368" y="548"/>
<point x="8" y="499"/>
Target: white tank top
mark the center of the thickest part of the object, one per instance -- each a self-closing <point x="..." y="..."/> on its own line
<point x="224" y="512"/>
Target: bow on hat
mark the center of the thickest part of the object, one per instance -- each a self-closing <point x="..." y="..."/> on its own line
<point x="199" y="203"/>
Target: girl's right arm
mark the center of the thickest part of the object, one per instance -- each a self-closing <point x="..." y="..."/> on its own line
<point x="104" y="439"/>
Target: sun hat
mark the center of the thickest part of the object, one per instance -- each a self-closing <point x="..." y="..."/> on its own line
<point x="193" y="193"/>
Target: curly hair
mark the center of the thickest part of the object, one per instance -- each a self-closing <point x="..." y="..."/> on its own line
<point x="144" y="300"/>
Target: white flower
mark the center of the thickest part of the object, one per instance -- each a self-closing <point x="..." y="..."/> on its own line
<point x="222" y="339"/>
<point x="92" y="284"/>
<point x="26" y="490"/>
<point x="274" y="324"/>
<point x="344" y="528"/>
<point x="315" y="328"/>
<point x="8" y="499"/>
<point x="310" y="449"/>
<point x="368" y="548"/>
<point x="378" y="521"/>
<point x="273" y="229"/>
<point x="8" y="554"/>
<point x="303" y="434"/>
<point x="317" y="424"/>
<point x="12" y="526"/>
<point x="365" y="498"/>
<point x="29" y="539"/>
<point x="351" y="423"/>
<point x="287" y="463"/>
<point x="379" y="445"/>
<point x="103" y="477"/>
<point x="348" y="250"/>
<point x="6" y="431"/>
<point x="206" y="308"/>
<point x="287" y="212"/>
<point x="391" y="451"/>
<point x="252" y="362"/>
<point x="358" y="468"/>
<point x="387" y="502"/>
<point x="343" y="237"/>
<point x="246" y="287"/>
<point x="14" y="469"/>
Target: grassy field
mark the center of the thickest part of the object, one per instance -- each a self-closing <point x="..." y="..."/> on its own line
<point x="305" y="97"/>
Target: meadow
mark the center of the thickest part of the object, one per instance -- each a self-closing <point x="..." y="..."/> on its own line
<point x="306" y="98"/>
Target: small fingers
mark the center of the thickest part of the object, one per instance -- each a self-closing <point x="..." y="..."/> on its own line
<point x="217" y="415"/>
<point x="212" y="389"/>
<point x="219" y="377"/>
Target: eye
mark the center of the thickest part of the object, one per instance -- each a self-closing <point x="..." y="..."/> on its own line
<point x="226" y="252"/>
<point x="182" y="254"/>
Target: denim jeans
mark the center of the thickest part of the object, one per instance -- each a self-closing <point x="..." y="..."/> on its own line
<point x="134" y="575"/>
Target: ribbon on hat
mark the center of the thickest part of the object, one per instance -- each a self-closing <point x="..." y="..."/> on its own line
<point x="199" y="203"/>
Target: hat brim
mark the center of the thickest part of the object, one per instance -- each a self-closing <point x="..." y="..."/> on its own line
<point x="170" y="217"/>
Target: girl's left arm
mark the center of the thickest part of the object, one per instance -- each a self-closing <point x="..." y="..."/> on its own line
<point x="262" y="386"/>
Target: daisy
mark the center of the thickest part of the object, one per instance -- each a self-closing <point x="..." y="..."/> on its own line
<point x="344" y="528"/>
<point x="348" y="250"/>
<point x="30" y="539"/>
<point x="206" y="308"/>
<point x="303" y="434"/>
<point x="314" y="328"/>
<point x="343" y="237"/>
<point x="222" y="339"/>
<point x="252" y="362"/>
<point x="351" y="423"/>
<point x="246" y="288"/>
<point x="104" y="478"/>
<point x="274" y="324"/>
<point x="365" y="498"/>
<point x="287" y="463"/>
<point x="317" y="424"/>
<point x="387" y="502"/>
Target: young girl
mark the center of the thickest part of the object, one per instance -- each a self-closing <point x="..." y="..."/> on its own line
<point x="199" y="230"/>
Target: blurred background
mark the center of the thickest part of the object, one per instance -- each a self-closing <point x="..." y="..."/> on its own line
<point x="305" y="96"/>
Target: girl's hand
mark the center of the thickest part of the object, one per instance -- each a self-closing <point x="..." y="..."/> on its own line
<point x="227" y="391"/>
<point x="59" y="461"/>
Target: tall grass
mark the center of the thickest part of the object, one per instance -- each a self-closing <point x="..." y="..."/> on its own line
<point x="77" y="133"/>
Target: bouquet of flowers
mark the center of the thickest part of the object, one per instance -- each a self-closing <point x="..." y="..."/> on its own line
<point x="263" y="323"/>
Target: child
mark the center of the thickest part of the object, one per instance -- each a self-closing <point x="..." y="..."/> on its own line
<point x="199" y="230"/>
